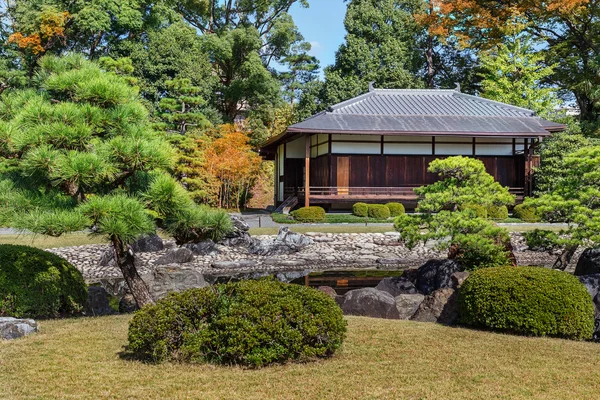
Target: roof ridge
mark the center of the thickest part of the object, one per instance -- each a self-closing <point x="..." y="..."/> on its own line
<point x="351" y="101"/>
<point x="496" y="103"/>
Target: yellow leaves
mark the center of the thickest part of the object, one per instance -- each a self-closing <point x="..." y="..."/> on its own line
<point x="51" y="26"/>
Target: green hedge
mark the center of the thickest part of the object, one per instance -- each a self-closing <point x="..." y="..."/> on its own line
<point x="395" y="209"/>
<point x="497" y="212"/>
<point x="250" y="323"/>
<point x="38" y="284"/>
<point x="379" y="211"/>
<point x="527" y="300"/>
<point x="309" y="214"/>
<point x="360" y="209"/>
<point x="526" y="213"/>
<point x="479" y="210"/>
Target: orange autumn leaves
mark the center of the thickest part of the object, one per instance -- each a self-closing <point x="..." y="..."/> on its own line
<point x="232" y="161"/>
<point x="51" y="27"/>
<point x="465" y="19"/>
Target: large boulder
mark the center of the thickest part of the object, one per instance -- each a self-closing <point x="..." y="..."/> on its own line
<point x="436" y="274"/>
<point x="458" y="278"/>
<point x="440" y="306"/>
<point x="370" y="302"/>
<point x="589" y="263"/>
<point x="97" y="302"/>
<point x="148" y="244"/>
<point x="396" y="285"/>
<point x="169" y="279"/>
<point x="13" y="328"/>
<point x="181" y="255"/>
<point x="286" y="242"/>
<point x="203" y="248"/>
<point x="407" y="304"/>
<point x="239" y="236"/>
<point x="591" y="283"/>
<point x="127" y="304"/>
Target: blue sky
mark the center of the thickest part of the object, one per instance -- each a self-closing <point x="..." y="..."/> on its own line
<point x="322" y="24"/>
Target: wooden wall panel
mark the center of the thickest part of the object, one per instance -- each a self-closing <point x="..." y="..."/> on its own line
<point x="319" y="171"/>
<point x="395" y="171"/>
<point x="294" y="173"/>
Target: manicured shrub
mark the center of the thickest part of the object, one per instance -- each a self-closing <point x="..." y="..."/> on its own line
<point x="35" y="283"/>
<point x="527" y="300"/>
<point x="475" y="251"/>
<point x="479" y="210"/>
<point x="526" y="213"/>
<point x="250" y="323"/>
<point x="395" y="209"/>
<point x="360" y="209"/>
<point x="379" y="211"/>
<point x="497" y="212"/>
<point x="540" y="240"/>
<point x="309" y="214"/>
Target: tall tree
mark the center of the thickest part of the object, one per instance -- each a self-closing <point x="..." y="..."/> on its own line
<point x="302" y="69"/>
<point x="514" y="72"/>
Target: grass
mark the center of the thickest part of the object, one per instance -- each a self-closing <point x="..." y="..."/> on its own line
<point x="326" y="229"/>
<point x="381" y="359"/>
<point x="334" y="218"/>
<point x="47" y="242"/>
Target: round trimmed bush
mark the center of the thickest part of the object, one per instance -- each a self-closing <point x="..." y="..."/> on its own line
<point x="250" y="323"/>
<point x="527" y="300"/>
<point x="360" y="209"/>
<point x="479" y="210"/>
<point x="396" y="209"/>
<point x="497" y="212"/>
<point x="379" y="211"/>
<point x="37" y="284"/>
<point x="526" y="213"/>
<point x="309" y="214"/>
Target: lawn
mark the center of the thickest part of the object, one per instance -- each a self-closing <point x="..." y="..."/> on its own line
<point x="381" y="359"/>
<point x="48" y="242"/>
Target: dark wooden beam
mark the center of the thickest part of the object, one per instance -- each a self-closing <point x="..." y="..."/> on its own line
<point x="307" y="172"/>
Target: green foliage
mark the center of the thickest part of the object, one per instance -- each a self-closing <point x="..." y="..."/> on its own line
<point x="463" y="180"/>
<point x="182" y="109"/>
<point x="540" y="240"/>
<point x="395" y="209"/>
<point x="309" y="214"/>
<point x="195" y="224"/>
<point x="479" y="250"/>
<point x="526" y="213"/>
<point x="528" y="301"/>
<point x="514" y="73"/>
<point x="497" y="212"/>
<point x="249" y="323"/>
<point x="479" y="210"/>
<point x="38" y="284"/>
<point x="378" y="211"/>
<point x="360" y="209"/>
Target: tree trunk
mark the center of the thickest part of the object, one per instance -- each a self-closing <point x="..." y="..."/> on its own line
<point x="125" y="260"/>
<point x="429" y="58"/>
<point x="562" y="262"/>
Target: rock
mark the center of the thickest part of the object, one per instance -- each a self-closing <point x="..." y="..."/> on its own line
<point x="591" y="283"/>
<point x="389" y="261"/>
<point x="181" y="255"/>
<point x="169" y="279"/>
<point x="286" y="242"/>
<point x="97" y="302"/>
<point x="458" y="279"/>
<point x="288" y="276"/>
<point x="13" y="328"/>
<point x="589" y="263"/>
<point x="282" y="262"/>
<point x="370" y="302"/>
<point x="435" y="274"/>
<point x="234" y="264"/>
<point x="239" y="236"/>
<point x="107" y="259"/>
<point x="203" y="248"/>
<point x="396" y="285"/>
<point x="408" y="304"/>
<point x="411" y="274"/>
<point x="328" y="290"/>
<point x="148" y="244"/>
<point x="440" y="306"/>
<point x="127" y="304"/>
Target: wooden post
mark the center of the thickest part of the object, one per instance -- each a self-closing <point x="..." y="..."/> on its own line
<point x="307" y="172"/>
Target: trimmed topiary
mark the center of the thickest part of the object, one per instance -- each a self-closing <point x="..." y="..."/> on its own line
<point x="479" y="210"/>
<point x="309" y="214"/>
<point x="526" y="213"/>
<point x="541" y="240"/>
<point x="37" y="284"/>
<point x="497" y="212"/>
<point x="250" y="323"/>
<point x="527" y="300"/>
<point x="379" y="211"/>
<point x="360" y="209"/>
<point x="396" y="209"/>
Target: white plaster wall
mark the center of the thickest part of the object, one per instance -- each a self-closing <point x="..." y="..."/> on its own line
<point x="323" y="149"/>
<point x="426" y="139"/>
<point x="364" y="138"/>
<point x="280" y="153"/>
<point x="407" y="148"/>
<point x="296" y="148"/>
<point x="356" y="148"/>
<point x="453" y="149"/>
<point x="493" y="149"/>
